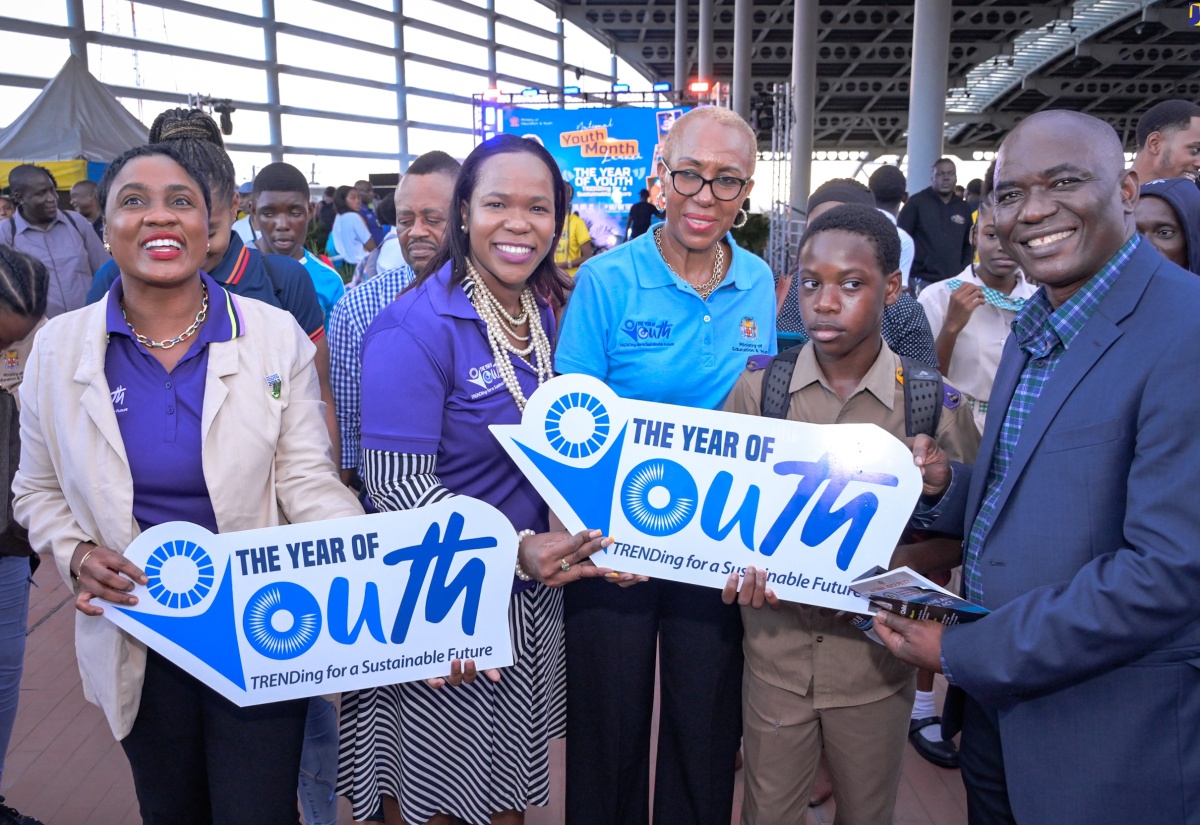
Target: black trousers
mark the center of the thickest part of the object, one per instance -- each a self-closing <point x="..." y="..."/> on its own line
<point x="613" y="635"/>
<point x="197" y="758"/>
<point x="982" y="765"/>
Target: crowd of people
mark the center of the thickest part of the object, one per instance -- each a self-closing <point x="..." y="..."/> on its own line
<point x="1056" y="478"/>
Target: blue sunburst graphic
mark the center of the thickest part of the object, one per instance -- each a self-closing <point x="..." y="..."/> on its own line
<point x="282" y="644"/>
<point x="635" y="497"/>
<point x="600" y="425"/>
<point x="186" y="553"/>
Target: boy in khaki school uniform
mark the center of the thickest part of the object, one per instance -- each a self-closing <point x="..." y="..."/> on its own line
<point x="812" y="681"/>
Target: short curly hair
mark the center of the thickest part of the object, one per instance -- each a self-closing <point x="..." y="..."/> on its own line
<point x="866" y="221"/>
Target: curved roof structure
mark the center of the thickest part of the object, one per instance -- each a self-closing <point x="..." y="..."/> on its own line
<point x="1008" y="58"/>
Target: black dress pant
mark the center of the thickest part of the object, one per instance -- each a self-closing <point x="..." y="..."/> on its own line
<point x="613" y="635"/>
<point x="197" y="758"/>
<point x="982" y="764"/>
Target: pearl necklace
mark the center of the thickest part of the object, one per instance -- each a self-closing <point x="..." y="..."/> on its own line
<point x="490" y="310"/>
<point x="708" y="287"/>
<point x="181" y="337"/>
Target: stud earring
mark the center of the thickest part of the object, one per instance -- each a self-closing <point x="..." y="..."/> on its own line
<point x="107" y="248"/>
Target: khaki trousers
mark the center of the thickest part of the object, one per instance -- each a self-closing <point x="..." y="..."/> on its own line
<point x="783" y="737"/>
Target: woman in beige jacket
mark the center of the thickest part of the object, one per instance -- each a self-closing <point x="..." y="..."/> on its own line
<point x="172" y="400"/>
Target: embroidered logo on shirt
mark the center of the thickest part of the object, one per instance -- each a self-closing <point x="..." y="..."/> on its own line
<point x="275" y="383"/>
<point x="118" y="399"/>
<point x="959" y="219"/>
<point x="487" y="378"/>
<point x="647" y="333"/>
<point x="12" y="360"/>
<point x="749" y="329"/>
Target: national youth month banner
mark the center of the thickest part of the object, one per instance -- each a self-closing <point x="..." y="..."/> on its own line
<point x="306" y="609"/>
<point x="692" y="495"/>
<point x="608" y="155"/>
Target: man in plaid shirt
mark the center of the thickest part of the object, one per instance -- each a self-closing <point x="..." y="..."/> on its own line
<point x="1080" y="517"/>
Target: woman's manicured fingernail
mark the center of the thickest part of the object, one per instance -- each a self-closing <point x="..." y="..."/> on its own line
<point x="593" y="534"/>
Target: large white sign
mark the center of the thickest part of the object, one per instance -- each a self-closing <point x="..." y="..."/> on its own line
<point x="693" y="495"/>
<point x="306" y="609"/>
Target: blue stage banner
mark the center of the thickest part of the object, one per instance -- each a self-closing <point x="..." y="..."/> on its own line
<point x="608" y="155"/>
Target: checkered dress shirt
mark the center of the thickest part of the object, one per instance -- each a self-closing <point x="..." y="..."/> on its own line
<point x="1044" y="334"/>
<point x="348" y="324"/>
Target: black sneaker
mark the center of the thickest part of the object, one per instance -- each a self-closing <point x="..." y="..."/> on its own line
<point x="11" y="816"/>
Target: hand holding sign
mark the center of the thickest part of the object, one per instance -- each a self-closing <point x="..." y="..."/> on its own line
<point x="103" y="574"/>
<point x="304" y="609"/>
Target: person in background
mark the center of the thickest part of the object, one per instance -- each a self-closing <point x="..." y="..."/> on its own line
<point x="279" y="205"/>
<point x="462" y="748"/>
<point x="366" y="208"/>
<point x="244" y="224"/>
<point x="323" y="217"/>
<point x="711" y="304"/>
<point x="1168" y="139"/>
<point x="940" y="224"/>
<point x="7" y="207"/>
<point x="62" y="240"/>
<point x="971" y="315"/>
<point x="387" y="255"/>
<point x="641" y="215"/>
<point x="575" y="245"/>
<point x="23" y="285"/>
<point x="905" y="328"/>
<point x="889" y="186"/>
<point x="422" y="213"/>
<point x="85" y="202"/>
<point x="91" y="480"/>
<point x="974" y="192"/>
<point x="243" y="270"/>
<point x="1168" y="214"/>
<point x="351" y="237"/>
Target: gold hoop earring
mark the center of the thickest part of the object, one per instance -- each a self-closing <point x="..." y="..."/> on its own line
<point x="742" y="219"/>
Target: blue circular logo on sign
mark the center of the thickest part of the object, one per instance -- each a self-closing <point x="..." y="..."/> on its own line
<point x="659" y="497"/>
<point x="577" y="425"/>
<point x="282" y="620"/>
<point x="179" y="574"/>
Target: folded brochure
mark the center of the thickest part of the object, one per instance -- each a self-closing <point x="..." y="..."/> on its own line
<point x="909" y="594"/>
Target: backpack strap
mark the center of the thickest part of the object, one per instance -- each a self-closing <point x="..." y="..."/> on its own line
<point x="923" y="396"/>
<point x="777" y="381"/>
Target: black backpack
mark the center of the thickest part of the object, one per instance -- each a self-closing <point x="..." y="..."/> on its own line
<point x="923" y="390"/>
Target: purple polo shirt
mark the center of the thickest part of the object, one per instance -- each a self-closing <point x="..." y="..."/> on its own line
<point x="159" y="412"/>
<point x="430" y="387"/>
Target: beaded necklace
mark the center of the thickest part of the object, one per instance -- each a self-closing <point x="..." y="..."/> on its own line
<point x="708" y="287"/>
<point x="496" y="319"/>
<point x="181" y="337"/>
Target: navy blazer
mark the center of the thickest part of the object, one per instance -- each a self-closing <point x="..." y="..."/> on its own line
<point x="1092" y="566"/>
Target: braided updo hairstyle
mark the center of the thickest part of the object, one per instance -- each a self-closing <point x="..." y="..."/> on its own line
<point x="23" y="283"/>
<point x="197" y="139"/>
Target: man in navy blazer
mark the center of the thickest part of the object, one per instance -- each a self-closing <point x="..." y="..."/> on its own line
<point x="1081" y="690"/>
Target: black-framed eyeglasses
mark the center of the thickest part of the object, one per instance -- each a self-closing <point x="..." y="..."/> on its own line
<point x="724" y="187"/>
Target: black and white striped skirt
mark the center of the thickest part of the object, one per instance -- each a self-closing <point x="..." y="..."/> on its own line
<point x="468" y="751"/>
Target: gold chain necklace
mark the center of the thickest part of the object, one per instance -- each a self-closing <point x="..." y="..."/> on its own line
<point x="708" y="287"/>
<point x="183" y="336"/>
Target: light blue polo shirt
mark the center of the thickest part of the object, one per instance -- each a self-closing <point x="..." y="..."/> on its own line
<point x="648" y="335"/>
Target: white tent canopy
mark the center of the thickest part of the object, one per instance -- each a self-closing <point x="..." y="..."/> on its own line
<point x="74" y="117"/>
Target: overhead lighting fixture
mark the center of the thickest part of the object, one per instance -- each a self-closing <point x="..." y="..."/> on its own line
<point x="661" y="87"/>
<point x="699" y="86"/>
<point x="570" y="90"/>
<point x="618" y="88"/>
<point x="531" y="92"/>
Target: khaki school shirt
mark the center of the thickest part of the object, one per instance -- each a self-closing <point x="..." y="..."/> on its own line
<point x="801" y="648"/>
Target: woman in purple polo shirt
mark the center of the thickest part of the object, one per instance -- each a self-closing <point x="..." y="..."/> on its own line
<point x="148" y="407"/>
<point x="463" y="348"/>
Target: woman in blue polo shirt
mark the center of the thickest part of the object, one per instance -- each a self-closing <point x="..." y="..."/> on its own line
<point x="149" y="407"/>
<point x="473" y="338"/>
<point x="670" y="317"/>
